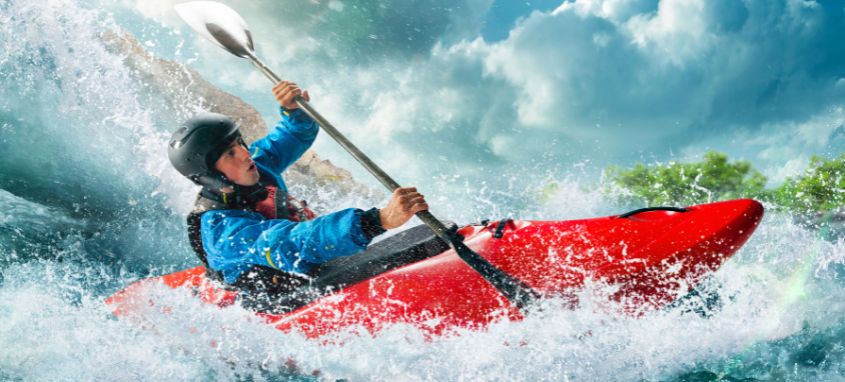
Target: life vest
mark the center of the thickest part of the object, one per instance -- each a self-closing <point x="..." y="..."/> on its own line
<point x="280" y="205"/>
<point x="272" y="203"/>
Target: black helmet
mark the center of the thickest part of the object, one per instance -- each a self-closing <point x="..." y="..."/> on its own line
<point x="198" y="143"/>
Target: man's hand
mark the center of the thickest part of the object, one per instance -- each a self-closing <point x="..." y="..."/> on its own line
<point x="285" y="93"/>
<point x="403" y="205"/>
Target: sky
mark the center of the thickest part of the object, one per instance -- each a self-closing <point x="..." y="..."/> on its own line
<point x="463" y="87"/>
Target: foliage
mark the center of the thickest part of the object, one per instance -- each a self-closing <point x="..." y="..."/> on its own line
<point x="820" y="189"/>
<point x="713" y="179"/>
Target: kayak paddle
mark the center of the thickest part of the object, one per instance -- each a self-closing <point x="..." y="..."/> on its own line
<point x="226" y="28"/>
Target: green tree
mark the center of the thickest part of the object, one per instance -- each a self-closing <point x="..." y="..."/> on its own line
<point x="820" y="189"/>
<point x="713" y="179"/>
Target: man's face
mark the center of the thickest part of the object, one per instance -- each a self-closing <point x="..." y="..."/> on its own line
<point x="237" y="165"/>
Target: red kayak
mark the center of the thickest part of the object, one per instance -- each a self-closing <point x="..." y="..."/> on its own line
<point x="652" y="256"/>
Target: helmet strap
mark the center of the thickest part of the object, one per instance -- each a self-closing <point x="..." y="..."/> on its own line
<point x="214" y="181"/>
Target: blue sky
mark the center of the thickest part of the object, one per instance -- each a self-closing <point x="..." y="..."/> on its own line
<point x="462" y="87"/>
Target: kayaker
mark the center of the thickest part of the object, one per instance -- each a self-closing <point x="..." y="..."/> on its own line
<point x="245" y="227"/>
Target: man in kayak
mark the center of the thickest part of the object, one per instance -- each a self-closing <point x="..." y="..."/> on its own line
<point x="245" y="228"/>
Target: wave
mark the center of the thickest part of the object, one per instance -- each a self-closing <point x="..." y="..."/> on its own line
<point x="87" y="200"/>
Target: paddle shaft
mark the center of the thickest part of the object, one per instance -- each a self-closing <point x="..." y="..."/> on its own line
<point x="515" y="290"/>
<point x="435" y="224"/>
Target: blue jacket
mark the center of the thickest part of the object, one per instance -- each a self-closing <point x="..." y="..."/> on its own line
<point x="236" y="240"/>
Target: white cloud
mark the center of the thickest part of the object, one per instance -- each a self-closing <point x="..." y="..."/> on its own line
<point x="781" y="149"/>
<point x="616" y="11"/>
<point x="680" y="31"/>
<point x="608" y="79"/>
<point x="677" y="75"/>
<point x="791" y="168"/>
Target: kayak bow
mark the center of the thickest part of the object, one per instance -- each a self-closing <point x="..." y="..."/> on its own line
<point x="649" y="256"/>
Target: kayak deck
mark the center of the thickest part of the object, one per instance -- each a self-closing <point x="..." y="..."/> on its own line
<point x="650" y="257"/>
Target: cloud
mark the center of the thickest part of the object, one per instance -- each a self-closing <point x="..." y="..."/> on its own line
<point x="671" y="76"/>
<point x="161" y="10"/>
<point x="346" y="32"/>
<point x="607" y="80"/>
<point x="783" y="149"/>
<point x="615" y="11"/>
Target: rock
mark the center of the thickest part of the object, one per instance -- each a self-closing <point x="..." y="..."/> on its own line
<point x="179" y="87"/>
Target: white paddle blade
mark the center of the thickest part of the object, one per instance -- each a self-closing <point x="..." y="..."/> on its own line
<point x="218" y="23"/>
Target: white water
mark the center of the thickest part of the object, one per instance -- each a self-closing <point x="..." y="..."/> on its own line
<point x="85" y="211"/>
<point x="773" y="289"/>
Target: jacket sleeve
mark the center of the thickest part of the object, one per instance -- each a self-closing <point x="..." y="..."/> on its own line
<point x="236" y="240"/>
<point x="286" y="142"/>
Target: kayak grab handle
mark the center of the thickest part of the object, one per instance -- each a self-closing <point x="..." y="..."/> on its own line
<point x="647" y="209"/>
<point x="500" y="228"/>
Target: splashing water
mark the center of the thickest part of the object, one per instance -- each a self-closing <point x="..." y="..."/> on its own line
<point x="85" y="194"/>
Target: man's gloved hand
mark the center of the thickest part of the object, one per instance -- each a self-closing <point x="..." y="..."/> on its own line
<point x="406" y="201"/>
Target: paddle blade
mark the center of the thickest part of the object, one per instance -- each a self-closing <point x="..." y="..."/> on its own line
<point x="218" y="23"/>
